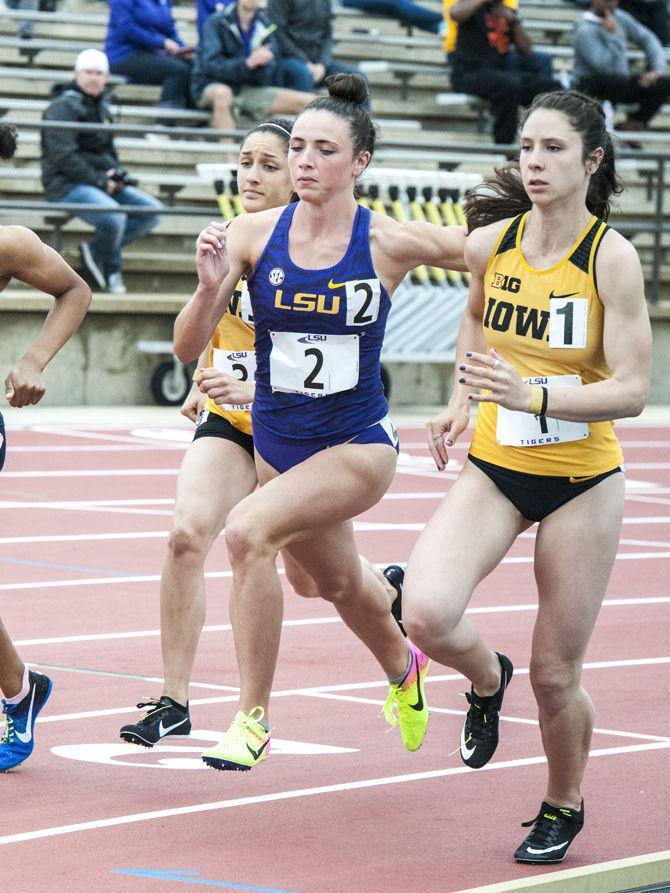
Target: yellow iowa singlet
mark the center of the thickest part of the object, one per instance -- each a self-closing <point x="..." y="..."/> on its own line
<point x="549" y="325"/>
<point x="231" y="350"/>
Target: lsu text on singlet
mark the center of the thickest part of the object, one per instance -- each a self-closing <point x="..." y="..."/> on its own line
<point x="318" y="340"/>
<point x="232" y="351"/>
<point x="549" y="325"/>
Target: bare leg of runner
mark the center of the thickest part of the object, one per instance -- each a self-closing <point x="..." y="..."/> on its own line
<point x="215" y="475"/>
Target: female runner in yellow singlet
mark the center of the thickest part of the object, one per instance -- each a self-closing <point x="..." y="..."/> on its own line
<point x="556" y="336"/>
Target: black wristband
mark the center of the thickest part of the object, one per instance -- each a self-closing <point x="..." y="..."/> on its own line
<point x="545" y="396"/>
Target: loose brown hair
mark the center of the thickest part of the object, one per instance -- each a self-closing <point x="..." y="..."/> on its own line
<point x="504" y="195"/>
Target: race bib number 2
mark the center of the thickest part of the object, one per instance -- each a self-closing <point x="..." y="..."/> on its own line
<point x="522" y="429"/>
<point x="313" y="365"/>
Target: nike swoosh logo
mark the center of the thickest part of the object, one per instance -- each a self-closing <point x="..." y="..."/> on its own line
<point x="419" y="704"/>
<point x="466" y="751"/>
<point x="165" y="730"/>
<point x="332" y="284"/>
<point x="549" y="849"/>
<point x="256" y="753"/>
<point x="552" y="296"/>
<point x="26" y="737"/>
<point x="580" y="480"/>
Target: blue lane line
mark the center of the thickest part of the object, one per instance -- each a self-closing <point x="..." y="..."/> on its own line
<point x="69" y="567"/>
<point x="189" y="876"/>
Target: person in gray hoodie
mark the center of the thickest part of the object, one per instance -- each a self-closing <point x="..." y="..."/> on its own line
<point x="601" y="62"/>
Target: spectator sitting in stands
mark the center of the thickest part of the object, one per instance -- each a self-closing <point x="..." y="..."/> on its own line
<point x="205" y="8"/>
<point x="82" y="167"/>
<point x="408" y="13"/>
<point x="483" y="64"/>
<point x="653" y="14"/>
<point x="236" y="69"/>
<point x="601" y="62"/>
<point x="305" y="32"/>
<point x="142" y="44"/>
<point x="536" y="62"/>
<point x="27" y="28"/>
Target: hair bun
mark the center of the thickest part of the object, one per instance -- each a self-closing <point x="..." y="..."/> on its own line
<point x="351" y="88"/>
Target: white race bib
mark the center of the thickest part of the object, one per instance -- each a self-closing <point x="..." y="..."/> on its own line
<point x="522" y="429"/>
<point x="362" y="301"/>
<point x="240" y="364"/>
<point x="246" y="314"/>
<point x="313" y="365"/>
<point x="567" y="322"/>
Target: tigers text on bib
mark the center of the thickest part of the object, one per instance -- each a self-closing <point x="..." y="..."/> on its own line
<point x="313" y="365"/>
<point x="240" y="364"/>
<point x="522" y="429"/>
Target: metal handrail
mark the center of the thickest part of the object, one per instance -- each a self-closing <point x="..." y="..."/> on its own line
<point x="655" y="225"/>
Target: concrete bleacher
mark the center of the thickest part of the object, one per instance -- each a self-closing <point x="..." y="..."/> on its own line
<point x="412" y="102"/>
<point x="424" y="126"/>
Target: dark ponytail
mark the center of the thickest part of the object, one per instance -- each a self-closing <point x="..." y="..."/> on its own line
<point x="503" y="195"/>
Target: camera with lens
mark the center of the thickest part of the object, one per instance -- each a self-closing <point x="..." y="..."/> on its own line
<point x="121" y="175"/>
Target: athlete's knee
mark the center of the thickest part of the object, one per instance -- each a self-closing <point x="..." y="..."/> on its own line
<point x="554" y="683"/>
<point x="422" y="625"/>
<point x="427" y="622"/>
<point x="246" y="539"/>
<point x="188" y="539"/>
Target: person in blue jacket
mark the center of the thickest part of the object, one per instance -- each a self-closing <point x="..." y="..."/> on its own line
<point x="142" y="43"/>
<point x="237" y="69"/>
<point x="205" y="8"/>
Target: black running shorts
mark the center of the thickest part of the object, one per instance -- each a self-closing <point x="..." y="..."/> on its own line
<point x="537" y="495"/>
<point x="210" y="424"/>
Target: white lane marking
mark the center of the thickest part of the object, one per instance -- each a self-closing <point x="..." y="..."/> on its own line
<point x="637" y="736"/>
<point x="300" y="793"/>
<point x="142" y="633"/>
<point x="76" y="504"/>
<point x="98" y="448"/>
<point x="226" y="627"/>
<point x="93" y="473"/>
<point x="85" y="537"/>
<point x="324" y="691"/>
<point x="649" y="543"/>
<point x="98" y="434"/>
<point x="186" y="756"/>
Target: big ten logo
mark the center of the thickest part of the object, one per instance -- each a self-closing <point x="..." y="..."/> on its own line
<point x="306" y="302"/>
<point x="506" y="283"/>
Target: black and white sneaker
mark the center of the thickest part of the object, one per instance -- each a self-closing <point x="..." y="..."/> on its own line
<point x="479" y="736"/>
<point x="91" y="266"/>
<point x="554" y="829"/>
<point x="166" y="717"/>
<point x="396" y="576"/>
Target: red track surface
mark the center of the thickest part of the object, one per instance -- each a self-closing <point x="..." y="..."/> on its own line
<point x="371" y="817"/>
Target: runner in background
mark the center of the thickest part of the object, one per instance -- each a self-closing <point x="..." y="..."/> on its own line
<point x="25" y="258"/>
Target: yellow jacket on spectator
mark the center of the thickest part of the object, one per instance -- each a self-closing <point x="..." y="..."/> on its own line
<point x="452" y="27"/>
